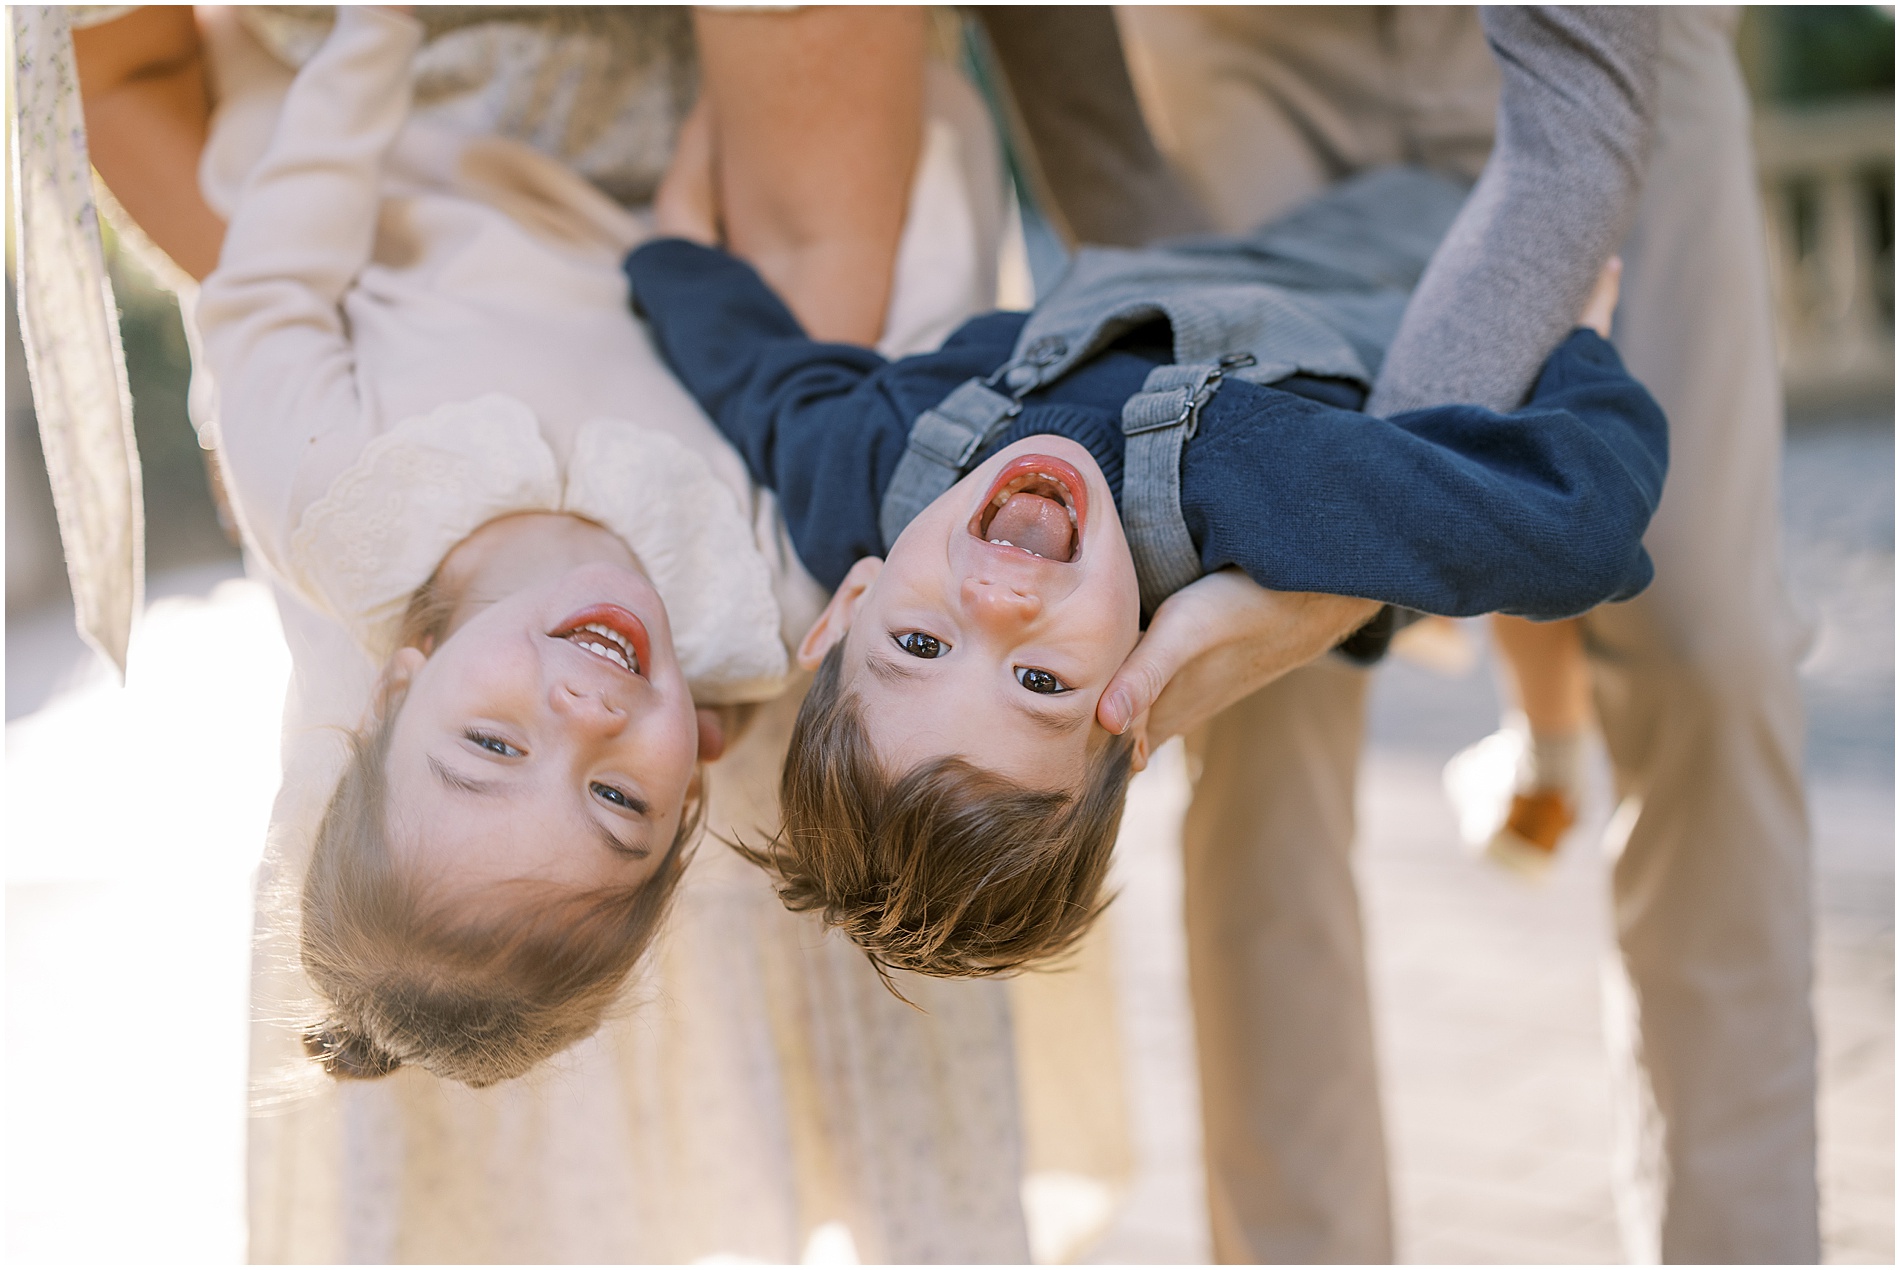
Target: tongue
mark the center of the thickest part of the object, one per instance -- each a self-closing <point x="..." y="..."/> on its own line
<point x="1036" y="524"/>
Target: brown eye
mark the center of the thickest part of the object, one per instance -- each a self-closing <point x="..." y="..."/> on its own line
<point x="918" y="644"/>
<point x="1040" y="681"/>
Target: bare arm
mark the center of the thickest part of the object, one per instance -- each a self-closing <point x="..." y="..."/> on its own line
<point x="818" y="122"/>
<point x="142" y="83"/>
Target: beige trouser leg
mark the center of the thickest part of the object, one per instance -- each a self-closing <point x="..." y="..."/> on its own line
<point x="1261" y="108"/>
<point x="1708" y="1009"/>
<point x="1294" y="1140"/>
<point x="1709" y="1023"/>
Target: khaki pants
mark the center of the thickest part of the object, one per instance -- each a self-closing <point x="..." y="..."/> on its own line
<point x="1707" y="1006"/>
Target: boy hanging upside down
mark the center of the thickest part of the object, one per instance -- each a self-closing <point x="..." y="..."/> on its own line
<point x="999" y="517"/>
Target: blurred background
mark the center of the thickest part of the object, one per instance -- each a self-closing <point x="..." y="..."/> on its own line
<point x="129" y="806"/>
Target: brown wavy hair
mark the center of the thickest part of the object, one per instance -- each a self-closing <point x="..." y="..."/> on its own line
<point x="946" y="870"/>
<point x="405" y="982"/>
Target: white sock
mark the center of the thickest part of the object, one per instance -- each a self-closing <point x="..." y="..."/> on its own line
<point x="1552" y="761"/>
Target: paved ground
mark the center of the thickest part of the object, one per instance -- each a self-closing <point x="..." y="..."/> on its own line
<point x="126" y="808"/>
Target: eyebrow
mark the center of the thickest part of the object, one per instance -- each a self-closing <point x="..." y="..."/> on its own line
<point x="618" y="847"/>
<point x="890" y="669"/>
<point x="488" y="789"/>
<point x="453" y="780"/>
<point x="1051" y="723"/>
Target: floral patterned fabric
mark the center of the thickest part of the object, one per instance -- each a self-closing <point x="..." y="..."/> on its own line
<point x="69" y="326"/>
<point x="602" y="88"/>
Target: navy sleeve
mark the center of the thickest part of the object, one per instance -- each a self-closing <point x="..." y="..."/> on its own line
<point x="823" y="425"/>
<point x="1454" y="510"/>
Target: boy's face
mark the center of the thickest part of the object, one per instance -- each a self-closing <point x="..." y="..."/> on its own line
<point x="997" y="621"/>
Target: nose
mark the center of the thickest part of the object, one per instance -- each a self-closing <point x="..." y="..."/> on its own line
<point x="998" y="605"/>
<point x="591" y="712"/>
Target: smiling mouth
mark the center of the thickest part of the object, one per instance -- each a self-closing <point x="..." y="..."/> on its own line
<point x="1037" y="507"/>
<point x="608" y="632"/>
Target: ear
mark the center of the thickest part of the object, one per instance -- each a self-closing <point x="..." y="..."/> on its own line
<point x="712" y="735"/>
<point x="398" y="673"/>
<point x="837" y="617"/>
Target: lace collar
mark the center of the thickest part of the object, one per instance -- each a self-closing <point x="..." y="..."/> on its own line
<point x="377" y="534"/>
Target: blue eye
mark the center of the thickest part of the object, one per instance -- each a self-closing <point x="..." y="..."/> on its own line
<point x="1040" y="681"/>
<point x="918" y="644"/>
<point x="619" y="798"/>
<point x="493" y="744"/>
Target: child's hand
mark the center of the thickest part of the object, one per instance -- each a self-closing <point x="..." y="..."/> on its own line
<point x="687" y="203"/>
<point x="1601" y="306"/>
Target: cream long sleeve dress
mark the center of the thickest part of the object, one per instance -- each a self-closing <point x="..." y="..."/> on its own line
<point x="413" y="329"/>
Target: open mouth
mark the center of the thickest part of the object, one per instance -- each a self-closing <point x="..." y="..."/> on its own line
<point x="610" y="633"/>
<point x="1038" y="505"/>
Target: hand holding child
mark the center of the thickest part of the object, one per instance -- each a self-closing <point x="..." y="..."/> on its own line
<point x="687" y="202"/>
<point x="1218" y="640"/>
<point x="1601" y="306"/>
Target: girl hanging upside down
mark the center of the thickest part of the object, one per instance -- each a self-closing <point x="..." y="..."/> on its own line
<point x="442" y="432"/>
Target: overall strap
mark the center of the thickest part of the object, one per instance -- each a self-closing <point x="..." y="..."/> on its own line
<point x="1157" y="422"/>
<point x="946" y="437"/>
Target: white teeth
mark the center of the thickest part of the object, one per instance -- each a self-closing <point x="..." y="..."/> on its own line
<point x="1052" y="489"/>
<point x="611" y="645"/>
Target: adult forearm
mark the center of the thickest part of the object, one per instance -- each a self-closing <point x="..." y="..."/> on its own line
<point x="839" y="288"/>
<point x="142" y="84"/>
<point x="1574" y="122"/>
<point x="818" y="123"/>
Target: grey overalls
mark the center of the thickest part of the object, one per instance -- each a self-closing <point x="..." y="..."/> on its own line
<point x="1318" y="292"/>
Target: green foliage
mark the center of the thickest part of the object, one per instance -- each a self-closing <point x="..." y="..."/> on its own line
<point x="1812" y="53"/>
<point x="180" y="518"/>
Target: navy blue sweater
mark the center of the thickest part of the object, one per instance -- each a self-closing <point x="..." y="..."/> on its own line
<point x="1453" y="510"/>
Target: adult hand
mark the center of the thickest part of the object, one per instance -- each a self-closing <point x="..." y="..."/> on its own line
<point x="1601" y="306"/>
<point x="687" y="202"/>
<point x="1218" y="640"/>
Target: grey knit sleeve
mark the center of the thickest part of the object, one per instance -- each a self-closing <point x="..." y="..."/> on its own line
<point x="1555" y="199"/>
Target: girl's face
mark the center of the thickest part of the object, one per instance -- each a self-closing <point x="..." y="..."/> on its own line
<point x="551" y="736"/>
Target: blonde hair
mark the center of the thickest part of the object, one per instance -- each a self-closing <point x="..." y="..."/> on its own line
<point x="947" y="870"/>
<point x="406" y="983"/>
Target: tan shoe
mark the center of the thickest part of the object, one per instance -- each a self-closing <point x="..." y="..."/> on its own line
<point x="1532" y="831"/>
